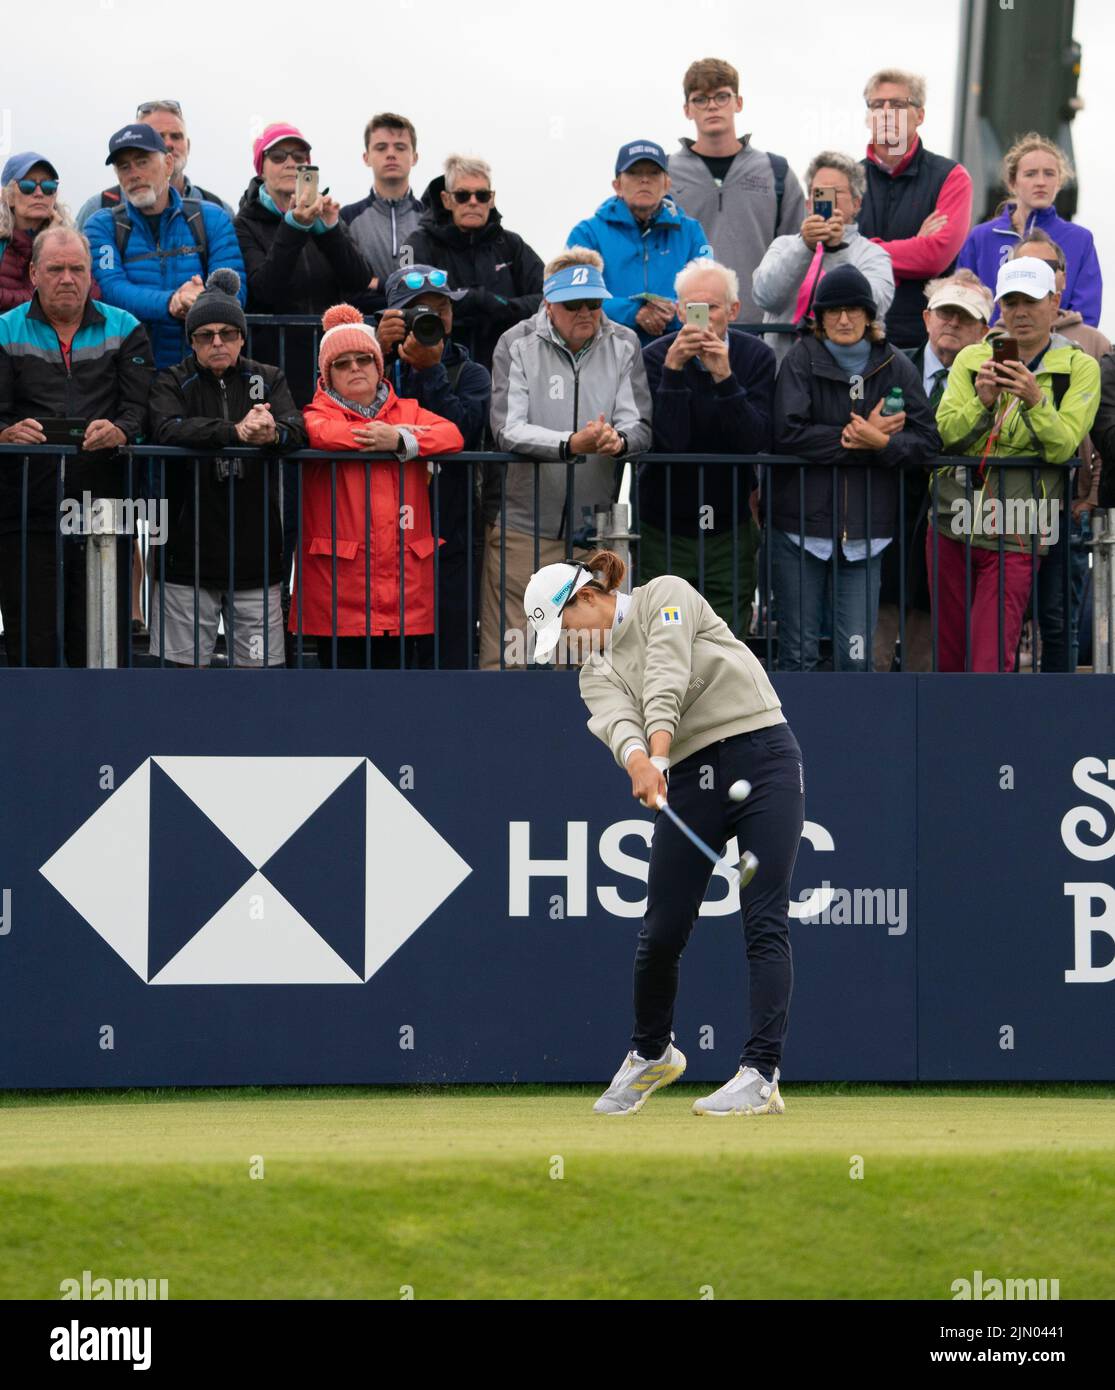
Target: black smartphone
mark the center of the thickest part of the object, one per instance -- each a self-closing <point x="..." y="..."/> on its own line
<point x="63" y="430"/>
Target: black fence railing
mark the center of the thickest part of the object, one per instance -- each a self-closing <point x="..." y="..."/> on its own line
<point x="367" y="585"/>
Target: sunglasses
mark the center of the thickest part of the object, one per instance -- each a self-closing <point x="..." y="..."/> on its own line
<point x="28" y="186"/>
<point x="348" y="364"/>
<point x="225" y="335"/>
<point x="437" y="279"/>
<point x="482" y="195"/>
<point x="146" y="107"/>
<point x="576" y="305"/>
<point x="281" y="156"/>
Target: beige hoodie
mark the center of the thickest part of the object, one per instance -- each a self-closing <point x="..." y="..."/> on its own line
<point x="674" y="664"/>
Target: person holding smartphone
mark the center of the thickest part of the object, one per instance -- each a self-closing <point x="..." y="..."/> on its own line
<point x="1026" y="393"/>
<point x="786" y="280"/>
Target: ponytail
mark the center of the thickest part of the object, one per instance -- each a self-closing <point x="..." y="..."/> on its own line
<point x="611" y="569"/>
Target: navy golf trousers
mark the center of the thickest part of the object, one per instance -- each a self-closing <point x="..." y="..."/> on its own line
<point x="768" y="824"/>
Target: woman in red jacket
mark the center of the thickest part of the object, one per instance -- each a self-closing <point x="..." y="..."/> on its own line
<point x="354" y="408"/>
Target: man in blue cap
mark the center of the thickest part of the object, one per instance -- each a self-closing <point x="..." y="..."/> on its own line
<point x="645" y="239"/>
<point x="568" y="386"/>
<point x="424" y="363"/>
<point x="153" y="253"/>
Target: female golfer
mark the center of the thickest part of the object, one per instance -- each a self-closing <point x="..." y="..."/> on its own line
<point x="669" y="686"/>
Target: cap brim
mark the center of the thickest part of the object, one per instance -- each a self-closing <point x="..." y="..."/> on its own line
<point x="546" y="640"/>
<point x="946" y="303"/>
<point x="398" y="301"/>
<point x="643" y="159"/>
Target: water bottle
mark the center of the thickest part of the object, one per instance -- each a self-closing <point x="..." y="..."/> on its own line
<point x="895" y="402"/>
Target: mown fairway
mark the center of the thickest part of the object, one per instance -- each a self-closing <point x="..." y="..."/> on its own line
<point x="451" y="1193"/>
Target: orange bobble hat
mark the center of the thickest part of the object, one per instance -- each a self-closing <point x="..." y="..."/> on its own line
<point x="345" y="331"/>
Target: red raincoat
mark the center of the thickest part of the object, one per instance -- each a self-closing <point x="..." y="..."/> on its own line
<point x="330" y="427"/>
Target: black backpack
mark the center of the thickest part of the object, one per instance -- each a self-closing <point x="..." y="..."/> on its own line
<point x="191" y="210"/>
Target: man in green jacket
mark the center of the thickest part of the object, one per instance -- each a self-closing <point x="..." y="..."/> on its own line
<point x="1039" y="406"/>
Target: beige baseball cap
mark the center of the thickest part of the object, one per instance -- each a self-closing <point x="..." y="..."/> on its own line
<point x="962" y="297"/>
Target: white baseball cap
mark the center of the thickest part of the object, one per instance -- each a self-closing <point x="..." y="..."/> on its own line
<point x="547" y="593"/>
<point x="1027" y="275"/>
<point x="961" y="296"/>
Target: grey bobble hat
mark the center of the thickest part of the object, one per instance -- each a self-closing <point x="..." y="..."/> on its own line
<point x="217" y="303"/>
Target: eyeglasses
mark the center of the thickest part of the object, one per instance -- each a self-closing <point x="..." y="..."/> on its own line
<point x="281" y="156"/>
<point x="462" y="196"/>
<point x="146" y="107"/>
<point x="1055" y="262"/>
<point x="576" y="305"/>
<point x="701" y="99"/>
<point x="350" y="364"/>
<point x="881" y="103"/>
<point x="206" y="337"/>
<point x="436" y="279"/>
<point x="28" y="186"/>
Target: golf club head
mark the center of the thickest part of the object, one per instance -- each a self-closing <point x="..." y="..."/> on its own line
<point x="748" y="868"/>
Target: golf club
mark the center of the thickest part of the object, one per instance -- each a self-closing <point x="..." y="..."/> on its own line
<point x="748" y="864"/>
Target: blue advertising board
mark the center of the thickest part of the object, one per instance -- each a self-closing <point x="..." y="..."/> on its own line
<point x="356" y="877"/>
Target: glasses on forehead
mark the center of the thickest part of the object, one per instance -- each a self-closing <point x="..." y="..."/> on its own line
<point x="463" y="195"/>
<point x="436" y="279"/>
<point x="146" y="107"/>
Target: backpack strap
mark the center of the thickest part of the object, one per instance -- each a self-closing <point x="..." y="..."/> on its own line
<point x="195" y="220"/>
<point x="454" y="373"/>
<point x="778" y="167"/>
<point x="111" y="198"/>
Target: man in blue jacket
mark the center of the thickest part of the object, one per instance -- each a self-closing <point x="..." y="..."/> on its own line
<point x="441" y="376"/>
<point x="153" y="252"/>
<point x="713" y="393"/>
<point x="645" y="239"/>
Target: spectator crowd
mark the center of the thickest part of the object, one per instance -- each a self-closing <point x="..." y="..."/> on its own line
<point x="884" y="332"/>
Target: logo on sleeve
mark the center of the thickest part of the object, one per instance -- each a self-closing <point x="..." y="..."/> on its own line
<point x="671" y="617"/>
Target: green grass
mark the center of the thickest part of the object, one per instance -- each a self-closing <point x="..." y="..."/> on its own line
<point x="449" y="1190"/>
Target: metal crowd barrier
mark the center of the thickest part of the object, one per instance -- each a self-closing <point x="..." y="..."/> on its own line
<point x="610" y="527"/>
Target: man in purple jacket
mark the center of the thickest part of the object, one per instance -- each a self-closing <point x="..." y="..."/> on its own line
<point x="713" y="393"/>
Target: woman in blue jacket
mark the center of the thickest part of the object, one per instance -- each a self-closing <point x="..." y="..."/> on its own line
<point x="1034" y="172"/>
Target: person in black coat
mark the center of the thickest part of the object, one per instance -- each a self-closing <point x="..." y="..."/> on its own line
<point x="216" y="399"/>
<point x="829" y="401"/>
<point x="463" y="234"/>
<point x="443" y="378"/>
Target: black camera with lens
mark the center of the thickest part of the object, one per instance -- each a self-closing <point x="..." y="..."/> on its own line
<point x="425" y="324"/>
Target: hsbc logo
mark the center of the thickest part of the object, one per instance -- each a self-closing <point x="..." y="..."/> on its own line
<point x="256" y="871"/>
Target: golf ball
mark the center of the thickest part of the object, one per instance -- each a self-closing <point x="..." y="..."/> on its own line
<point x="741" y="790"/>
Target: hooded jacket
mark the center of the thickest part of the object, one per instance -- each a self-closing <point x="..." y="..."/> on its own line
<point x="740" y="216"/>
<point x="146" y="281"/>
<point x="812" y="401"/>
<point x="329" y="425"/>
<point x="502" y="274"/>
<point x="294" y="270"/>
<point x="787" y="264"/>
<point x="191" y="408"/>
<point x="108" y="378"/>
<point x="990" y="245"/>
<point x="640" y="257"/>
<point x="542" y="394"/>
<point x="1046" y="431"/>
<point x="15" y="271"/>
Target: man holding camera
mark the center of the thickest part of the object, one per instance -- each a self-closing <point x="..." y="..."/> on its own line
<point x="424" y="363"/>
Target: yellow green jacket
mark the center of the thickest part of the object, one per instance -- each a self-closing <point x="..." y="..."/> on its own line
<point x="1047" y="431"/>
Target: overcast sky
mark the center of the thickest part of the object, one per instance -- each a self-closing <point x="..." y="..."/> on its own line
<point x="545" y="94"/>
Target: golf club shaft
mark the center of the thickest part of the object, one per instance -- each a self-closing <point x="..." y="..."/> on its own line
<point x="695" y="839"/>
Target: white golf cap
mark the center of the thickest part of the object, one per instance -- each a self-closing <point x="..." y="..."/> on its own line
<point x="1027" y="275"/>
<point x="547" y="593"/>
<point x="965" y="297"/>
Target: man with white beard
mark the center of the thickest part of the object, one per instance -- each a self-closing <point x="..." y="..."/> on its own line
<point x="153" y="252"/>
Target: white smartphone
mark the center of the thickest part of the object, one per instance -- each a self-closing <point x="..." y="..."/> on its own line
<point x="697" y="315"/>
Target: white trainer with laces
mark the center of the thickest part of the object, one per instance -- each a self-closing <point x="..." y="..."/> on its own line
<point x="637" y="1079"/>
<point x="746" y="1094"/>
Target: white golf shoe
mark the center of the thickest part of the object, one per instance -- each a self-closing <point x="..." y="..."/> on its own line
<point x="637" y="1079"/>
<point x="746" y="1094"/>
